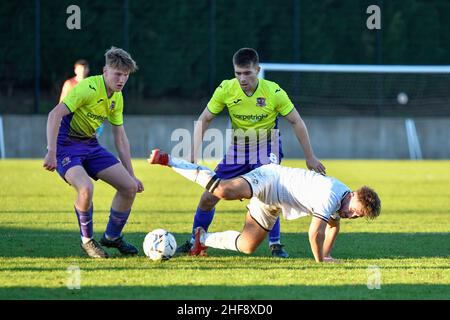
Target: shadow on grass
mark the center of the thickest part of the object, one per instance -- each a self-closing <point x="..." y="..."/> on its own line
<point x="218" y="292"/>
<point x="61" y="211"/>
<point x="48" y="243"/>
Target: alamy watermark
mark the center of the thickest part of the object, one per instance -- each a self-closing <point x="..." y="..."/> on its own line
<point x="74" y="20"/>
<point x="237" y="146"/>
<point x="374" y="20"/>
<point x="373" y="277"/>
<point x="74" y="277"/>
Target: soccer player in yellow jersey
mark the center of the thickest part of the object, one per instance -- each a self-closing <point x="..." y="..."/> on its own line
<point x="73" y="150"/>
<point x="254" y="106"/>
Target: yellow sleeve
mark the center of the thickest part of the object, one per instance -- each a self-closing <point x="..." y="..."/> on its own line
<point x="116" y="115"/>
<point x="78" y="96"/>
<point x="284" y="105"/>
<point x="217" y="102"/>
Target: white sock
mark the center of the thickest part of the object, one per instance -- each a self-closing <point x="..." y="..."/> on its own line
<point x="198" y="174"/>
<point x="276" y="242"/>
<point x="85" y="240"/>
<point x="178" y="162"/>
<point x="222" y="240"/>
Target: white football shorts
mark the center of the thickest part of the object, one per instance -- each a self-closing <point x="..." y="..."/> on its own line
<point x="263" y="182"/>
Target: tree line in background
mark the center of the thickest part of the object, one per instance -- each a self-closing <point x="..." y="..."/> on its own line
<point x="184" y="48"/>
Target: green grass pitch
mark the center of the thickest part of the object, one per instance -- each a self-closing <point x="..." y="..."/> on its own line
<point x="409" y="244"/>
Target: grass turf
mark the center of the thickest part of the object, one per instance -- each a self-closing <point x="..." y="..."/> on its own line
<point x="409" y="243"/>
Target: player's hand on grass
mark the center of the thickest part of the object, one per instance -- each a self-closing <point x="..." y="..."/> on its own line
<point x="139" y="185"/>
<point x="50" y="161"/>
<point x="315" y="165"/>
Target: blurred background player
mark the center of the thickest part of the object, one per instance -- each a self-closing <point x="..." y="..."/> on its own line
<point x="276" y="190"/>
<point x="254" y="105"/>
<point x="81" y="70"/>
<point x="73" y="150"/>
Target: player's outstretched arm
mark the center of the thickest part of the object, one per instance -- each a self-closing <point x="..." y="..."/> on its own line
<point x="302" y="135"/>
<point x="317" y="237"/>
<point x="331" y="233"/>
<point x="201" y="126"/>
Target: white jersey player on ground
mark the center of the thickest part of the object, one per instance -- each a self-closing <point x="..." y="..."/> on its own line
<point x="275" y="190"/>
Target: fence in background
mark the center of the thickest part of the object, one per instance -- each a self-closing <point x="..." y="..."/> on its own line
<point x="331" y="137"/>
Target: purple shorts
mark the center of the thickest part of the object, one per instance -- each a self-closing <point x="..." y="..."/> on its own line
<point x="87" y="153"/>
<point x="241" y="160"/>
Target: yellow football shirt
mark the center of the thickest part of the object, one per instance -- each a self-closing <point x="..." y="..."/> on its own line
<point x="258" y="111"/>
<point x="90" y="106"/>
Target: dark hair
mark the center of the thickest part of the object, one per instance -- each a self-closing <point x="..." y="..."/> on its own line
<point x="245" y="57"/>
<point x="370" y="201"/>
<point x="81" y="62"/>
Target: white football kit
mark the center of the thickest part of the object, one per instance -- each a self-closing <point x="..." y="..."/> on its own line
<point x="294" y="193"/>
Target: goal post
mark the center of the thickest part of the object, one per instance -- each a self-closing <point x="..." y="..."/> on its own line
<point x="404" y="91"/>
<point x="351" y="68"/>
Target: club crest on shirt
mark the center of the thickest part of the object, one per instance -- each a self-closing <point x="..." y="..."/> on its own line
<point x="113" y="104"/>
<point x="260" y="102"/>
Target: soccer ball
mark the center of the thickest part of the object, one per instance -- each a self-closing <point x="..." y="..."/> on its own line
<point x="402" y="98"/>
<point x="159" y="244"/>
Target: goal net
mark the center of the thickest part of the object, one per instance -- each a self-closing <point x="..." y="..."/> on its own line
<point x="364" y="90"/>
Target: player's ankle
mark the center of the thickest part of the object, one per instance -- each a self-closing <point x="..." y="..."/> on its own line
<point x="85" y="240"/>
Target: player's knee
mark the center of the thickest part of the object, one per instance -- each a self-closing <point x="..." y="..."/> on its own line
<point x="220" y="192"/>
<point x="225" y="191"/>
<point x="247" y="248"/>
<point x="129" y="190"/>
<point x="86" y="192"/>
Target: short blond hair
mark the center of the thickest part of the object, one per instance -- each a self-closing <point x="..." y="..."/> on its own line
<point x="119" y="59"/>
